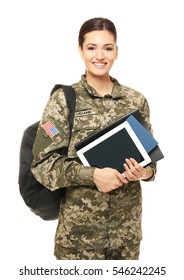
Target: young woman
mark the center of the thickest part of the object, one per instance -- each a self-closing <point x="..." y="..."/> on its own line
<point x="100" y="217"/>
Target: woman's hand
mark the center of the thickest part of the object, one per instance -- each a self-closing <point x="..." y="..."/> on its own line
<point x="133" y="171"/>
<point x="108" y="179"/>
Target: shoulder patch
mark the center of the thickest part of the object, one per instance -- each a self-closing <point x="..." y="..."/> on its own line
<point x="50" y="129"/>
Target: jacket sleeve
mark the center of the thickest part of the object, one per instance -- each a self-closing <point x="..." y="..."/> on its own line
<point x="50" y="167"/>
<point x="145" y="111"/>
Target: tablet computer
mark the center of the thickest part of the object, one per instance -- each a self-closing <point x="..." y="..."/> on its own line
<point x="112" y="148"/>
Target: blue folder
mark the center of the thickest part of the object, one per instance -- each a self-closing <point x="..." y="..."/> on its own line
<point x="145" y="137"/>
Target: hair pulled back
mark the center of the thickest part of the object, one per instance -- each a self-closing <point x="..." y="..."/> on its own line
<point x="93" y="24"/>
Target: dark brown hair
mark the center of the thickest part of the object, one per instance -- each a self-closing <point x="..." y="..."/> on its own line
<point x="93" y="24"/>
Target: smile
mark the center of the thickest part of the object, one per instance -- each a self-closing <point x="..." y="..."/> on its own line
<point x="99" y="65"/>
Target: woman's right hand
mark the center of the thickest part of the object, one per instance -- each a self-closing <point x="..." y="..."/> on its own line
<point x="108" y="179"/>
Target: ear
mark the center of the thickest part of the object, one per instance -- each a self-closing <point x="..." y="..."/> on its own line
<point x="80" y="51"/>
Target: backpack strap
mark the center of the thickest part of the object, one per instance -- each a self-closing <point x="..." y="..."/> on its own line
<point x="70" y="96"/>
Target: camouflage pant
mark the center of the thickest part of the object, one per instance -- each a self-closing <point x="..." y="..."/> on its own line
<point x="129" y="252"/>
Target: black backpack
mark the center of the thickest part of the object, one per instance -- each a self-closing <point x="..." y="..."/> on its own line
<point x="39" y="199"/>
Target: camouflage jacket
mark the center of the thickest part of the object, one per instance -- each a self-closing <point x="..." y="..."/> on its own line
<point x="88" y="218"/>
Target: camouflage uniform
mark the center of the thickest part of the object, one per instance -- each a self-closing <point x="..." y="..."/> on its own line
<point x="89" y="220"/>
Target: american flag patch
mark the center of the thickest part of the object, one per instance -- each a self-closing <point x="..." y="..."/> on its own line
<point x="50" y="129"/>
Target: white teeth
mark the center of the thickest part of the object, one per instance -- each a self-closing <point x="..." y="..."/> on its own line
<point x="99" y="64"/>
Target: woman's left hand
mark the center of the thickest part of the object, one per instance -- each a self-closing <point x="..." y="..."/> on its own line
<point x="133" y="171"/>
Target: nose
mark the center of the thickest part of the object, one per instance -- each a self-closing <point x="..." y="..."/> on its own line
<point x="100" y="54"/>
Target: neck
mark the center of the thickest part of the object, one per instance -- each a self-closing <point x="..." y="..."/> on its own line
<point x="103" y="85"/>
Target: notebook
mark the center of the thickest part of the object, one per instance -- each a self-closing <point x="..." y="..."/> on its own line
<point x="112" y="147"/>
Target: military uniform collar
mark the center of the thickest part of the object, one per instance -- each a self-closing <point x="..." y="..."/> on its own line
<point x="117" y="92"/>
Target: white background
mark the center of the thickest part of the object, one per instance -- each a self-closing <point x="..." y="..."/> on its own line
<point x="38" y="49"/>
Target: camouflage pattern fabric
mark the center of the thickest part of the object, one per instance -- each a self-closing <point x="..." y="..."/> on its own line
<point x="88" y="218"/>
<point x="128" y="252"/>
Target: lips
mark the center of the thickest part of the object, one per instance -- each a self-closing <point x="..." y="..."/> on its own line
<point x="99" y="65"/>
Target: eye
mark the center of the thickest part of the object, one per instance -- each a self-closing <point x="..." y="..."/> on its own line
<point x="109" y="49"/>
<point x="90" y="48"/>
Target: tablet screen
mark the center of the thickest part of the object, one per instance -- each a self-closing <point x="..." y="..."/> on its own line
<point x="112" y="148"/>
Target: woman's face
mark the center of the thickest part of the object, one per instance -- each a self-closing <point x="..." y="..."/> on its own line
<point x="99" y="52"/>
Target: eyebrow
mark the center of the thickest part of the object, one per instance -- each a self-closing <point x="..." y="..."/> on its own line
<point x="103" y="45"/>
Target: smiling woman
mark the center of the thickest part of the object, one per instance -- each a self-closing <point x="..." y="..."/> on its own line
<point x="98" y="49"/>
<point x="100" y="217"/>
